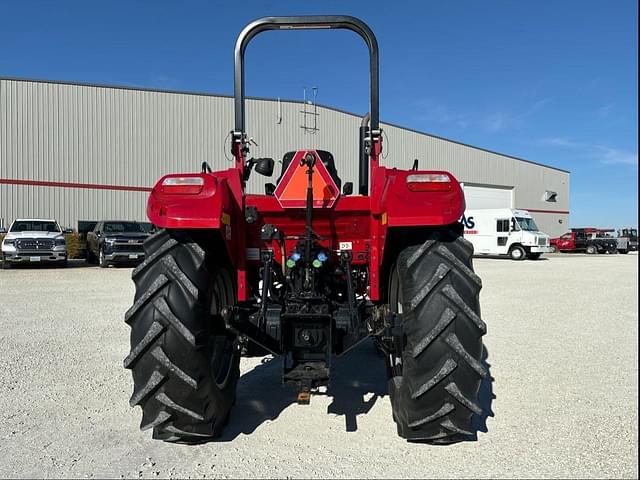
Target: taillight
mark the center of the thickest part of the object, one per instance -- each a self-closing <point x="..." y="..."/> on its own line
<point x="182" y="185"/>
<point x="429" y="182"/>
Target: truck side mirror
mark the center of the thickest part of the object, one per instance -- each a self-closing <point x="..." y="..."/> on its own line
<point x="67" y="230"/>
<point x="3" y="230"/>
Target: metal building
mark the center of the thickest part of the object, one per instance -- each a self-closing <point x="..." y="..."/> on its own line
<point x="87" y="152"/>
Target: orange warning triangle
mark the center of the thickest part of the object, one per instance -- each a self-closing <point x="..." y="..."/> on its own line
<point x="291" y="191"/>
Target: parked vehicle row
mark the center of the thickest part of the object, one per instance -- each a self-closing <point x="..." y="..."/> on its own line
<point x="589" y="240"/>
<point x="501" y="232"/>
<point x="42" y="241"/>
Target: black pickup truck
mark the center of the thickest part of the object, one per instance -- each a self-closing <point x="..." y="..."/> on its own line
<point x="116" y="242"/>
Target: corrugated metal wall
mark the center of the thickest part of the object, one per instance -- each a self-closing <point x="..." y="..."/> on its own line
<point x="104" y="136"/>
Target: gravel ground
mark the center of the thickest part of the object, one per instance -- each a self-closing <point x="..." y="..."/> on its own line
<point x="562" y="349"/>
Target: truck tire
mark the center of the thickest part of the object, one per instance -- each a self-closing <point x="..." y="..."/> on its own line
<point x="102" y="261"/>
<point x="591" y="249"/>
<point x="623" y="251"/>
<point x="184" y="359"/>
<point x="435" y="378"/>
<point x="517" y="253"/>
<point x="554" y="249"/>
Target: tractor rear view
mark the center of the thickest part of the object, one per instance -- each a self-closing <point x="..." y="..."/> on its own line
<point x="306" y="271"/>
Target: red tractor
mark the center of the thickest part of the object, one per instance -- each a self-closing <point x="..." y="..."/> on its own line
<point x="304" y="272"/>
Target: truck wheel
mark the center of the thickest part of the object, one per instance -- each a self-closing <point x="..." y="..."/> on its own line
<point x="623" y="251"/>
<point x="517" y="253"/>
<point x="5" y="264"/>
<point x="435" y="378"/>
<point x="554" y="249"/>
<point x="185" y="362"/>
<point x="102" y="261"/>
<point x="591" y="249"/>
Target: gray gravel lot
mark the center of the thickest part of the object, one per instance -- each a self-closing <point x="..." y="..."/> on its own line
<point x="562" y="348"/>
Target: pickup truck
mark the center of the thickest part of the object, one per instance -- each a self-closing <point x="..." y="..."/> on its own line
<point x="34" y="241"/>
<point x="625" y="238"/>
<point x="584" y="240"/>
<point x="631" y="237"/>
<point x="116" y="242"/>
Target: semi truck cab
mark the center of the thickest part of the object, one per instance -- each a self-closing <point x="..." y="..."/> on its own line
<point x="505" y="231"/>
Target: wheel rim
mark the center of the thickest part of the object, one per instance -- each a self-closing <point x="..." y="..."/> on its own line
<point x="223" y="345"/>
<point x="516" y="253"/>
<point x="395" y="302"/>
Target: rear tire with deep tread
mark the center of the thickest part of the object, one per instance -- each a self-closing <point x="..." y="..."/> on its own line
<point x="184" y="360"/>
<point x="436" y="378"/>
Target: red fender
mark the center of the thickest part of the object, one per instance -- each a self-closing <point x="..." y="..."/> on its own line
<point x="217" y="206"/>
<point x="391" y="195"/>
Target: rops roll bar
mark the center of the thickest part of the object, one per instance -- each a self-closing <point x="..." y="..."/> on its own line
<point x="307" y="23"/>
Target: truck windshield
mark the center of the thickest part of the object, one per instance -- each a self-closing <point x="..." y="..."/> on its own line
<point x="527" y="224"/>
<point x="34" y="226"/>
<point x="123" y="227"/>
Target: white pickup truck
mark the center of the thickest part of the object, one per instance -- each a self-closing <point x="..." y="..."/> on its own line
<point x="34" y="240"/>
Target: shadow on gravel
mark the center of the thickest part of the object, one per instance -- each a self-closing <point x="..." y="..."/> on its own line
<point x="358" y="379"/>
<point x="508" y="258"/>
<point x="260" y="397"/>
<point x="485" y="398"/>
<point x="72" y="263"/>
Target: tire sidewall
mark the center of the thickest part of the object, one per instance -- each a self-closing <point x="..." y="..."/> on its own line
<point x="517" y="253"/>
<point x="101" y="258"/>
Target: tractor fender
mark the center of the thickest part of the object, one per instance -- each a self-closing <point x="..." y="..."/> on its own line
<point x="216" y="207"/>
<point x="400" y="206"/>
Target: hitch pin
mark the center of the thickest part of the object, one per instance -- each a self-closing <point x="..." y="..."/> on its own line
<point x="304" y="396"/>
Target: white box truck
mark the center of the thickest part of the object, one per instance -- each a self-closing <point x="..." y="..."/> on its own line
<point x="504" y="231"/>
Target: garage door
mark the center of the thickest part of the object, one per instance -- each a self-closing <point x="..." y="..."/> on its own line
<point x="487" y="197"/>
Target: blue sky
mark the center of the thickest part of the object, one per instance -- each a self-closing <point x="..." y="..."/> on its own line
<point x="552" y="81"/>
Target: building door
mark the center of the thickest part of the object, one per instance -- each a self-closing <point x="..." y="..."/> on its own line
<point x="487" y="196"/>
